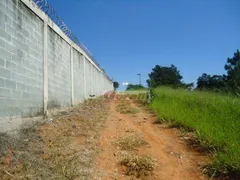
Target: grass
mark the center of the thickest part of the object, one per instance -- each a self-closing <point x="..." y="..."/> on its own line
<point x="214" y="118"/>
<point x="136" y="95"/>
<point x="132" y="142"/>
<point x="17" y="155"/>
<point x="138" y="165"/>
<point x="134" y="91"/>
<point x="61" y="149"/>
<point x="125" y="108"/>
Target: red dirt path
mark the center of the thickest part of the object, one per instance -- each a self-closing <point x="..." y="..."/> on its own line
<point x="176" y="160"/>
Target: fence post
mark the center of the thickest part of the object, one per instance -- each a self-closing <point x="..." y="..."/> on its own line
<point x="71" y="72"/>
<point x="45" y="66"/>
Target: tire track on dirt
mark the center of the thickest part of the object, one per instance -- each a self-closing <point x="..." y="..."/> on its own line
<point x="175" y="160"/>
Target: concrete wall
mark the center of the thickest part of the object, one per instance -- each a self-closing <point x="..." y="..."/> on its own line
<point x="40" y="67"/>
<point x="59" y="79"/>
<point x="78" y="77"/>
<point x="88" y="67"/>
<point x="21" y="61"/>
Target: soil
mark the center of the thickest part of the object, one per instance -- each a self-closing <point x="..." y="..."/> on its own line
<point x="77" y="143"/>
<point x="176" y="157"/>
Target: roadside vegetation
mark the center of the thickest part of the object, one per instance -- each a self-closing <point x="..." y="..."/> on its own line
<point x="213" y="117"/>
<point x="135" y="87"/>
<point x="62" y="147"/>
<point x="129" y="143"/>
<point x="210" y="109"/>
<point x="125" y="108"/>
<point x="136" y="166"/>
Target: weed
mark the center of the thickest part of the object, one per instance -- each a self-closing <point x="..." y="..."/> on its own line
<point x="4" y="139"/>
<point x="138" y="165"/>
<point x="125" y="108"/>
<point x="130" y="143"/>
<point x="55" y="150"/>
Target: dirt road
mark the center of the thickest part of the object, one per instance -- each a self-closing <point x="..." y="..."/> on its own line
<point x="175" y="158"/>
<point x="101" y="140"/>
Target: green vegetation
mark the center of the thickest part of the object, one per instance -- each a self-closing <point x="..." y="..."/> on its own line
<point x="131" y="87"/>
<point x="233" y="72"/>
<point x="223" y="83"/>
<point x="166" y="76"/>
<point x="216" y="83"/>
<point x="228" y="83"/>
<point x="115" y="85"/>
<point x="135" y="92"/>
<point x="213" y="117"/>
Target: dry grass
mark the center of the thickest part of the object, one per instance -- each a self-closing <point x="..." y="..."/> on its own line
<point x="17" y="155"/>
<point x="61" y="149"/>
<point x="138" y="165"/>
<point x="130" y="143"/>
<point x="125" y="108"/>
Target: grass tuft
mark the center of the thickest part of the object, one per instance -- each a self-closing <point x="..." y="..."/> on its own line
<point x="125" y="108"/>
<point x="138" y="165"/>
<point x="130" y="143"/>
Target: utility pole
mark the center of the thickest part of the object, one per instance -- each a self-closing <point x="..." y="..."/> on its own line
<point x="140" y="81"/>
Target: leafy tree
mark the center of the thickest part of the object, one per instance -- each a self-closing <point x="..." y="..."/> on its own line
<point x="135" y="87"/>
<point x="233" y="72"/>
<point x="189" y="86"/>
<point x="162" y="75"/>
<point x="208" y="82"/>
<point x="203" y="81"/>
<point x="115" y="85"/>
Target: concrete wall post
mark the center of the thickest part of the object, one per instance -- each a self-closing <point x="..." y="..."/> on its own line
<point x="84" y="77"/>
<point x="45" y="67"/>
<point x="71" y="73"/>
<point x="92" y="78"/>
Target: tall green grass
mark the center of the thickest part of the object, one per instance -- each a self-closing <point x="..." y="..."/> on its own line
<point x="213" y="117"/>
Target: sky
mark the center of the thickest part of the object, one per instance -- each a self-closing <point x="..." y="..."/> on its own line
<point x="128" y="37"/>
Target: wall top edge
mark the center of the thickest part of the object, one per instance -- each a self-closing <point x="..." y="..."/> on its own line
<point x="42" y="15"/>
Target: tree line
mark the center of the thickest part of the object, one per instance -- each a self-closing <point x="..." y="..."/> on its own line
<point x="170" y="76"/>
<point x="226" y="82"/>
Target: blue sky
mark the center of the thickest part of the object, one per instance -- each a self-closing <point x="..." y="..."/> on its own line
<point x="128" y="37"/>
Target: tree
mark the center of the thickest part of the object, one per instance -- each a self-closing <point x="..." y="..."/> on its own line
<point x="115" y="85"/>
<point x="135" y="87"/>
<point x="203" y="81"/>
<point x="233" y="72"/>
<point x="189" y="86"/>
<point x="214" y="83"/>
<point x="162" y="75"/>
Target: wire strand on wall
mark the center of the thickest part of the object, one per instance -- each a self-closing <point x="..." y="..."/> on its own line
<point x="47" y="9"/>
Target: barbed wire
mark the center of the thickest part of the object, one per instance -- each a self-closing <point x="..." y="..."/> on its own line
<point x="48" y="10"/>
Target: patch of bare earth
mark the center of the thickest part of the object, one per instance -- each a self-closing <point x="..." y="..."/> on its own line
<point x="133" y="146"/>
<point x="64" y="147"/>
<point x="100" y="140"/>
